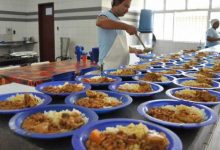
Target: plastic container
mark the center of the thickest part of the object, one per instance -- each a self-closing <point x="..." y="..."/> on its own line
<point x="95" y="53"/>
<point x="146" y="21"/>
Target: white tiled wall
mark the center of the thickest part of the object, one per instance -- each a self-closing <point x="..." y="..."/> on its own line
<point x="81" y="32"/>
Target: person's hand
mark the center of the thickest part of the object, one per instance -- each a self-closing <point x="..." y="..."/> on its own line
<point x="136" y="51"/>
<point x="131" y="29"/>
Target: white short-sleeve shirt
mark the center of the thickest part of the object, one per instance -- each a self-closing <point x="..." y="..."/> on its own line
<point x="214" y="34"/>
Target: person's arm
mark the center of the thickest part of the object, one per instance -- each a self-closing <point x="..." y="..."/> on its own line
<point x="212" y="39"/>
<point x="104" y="22"/>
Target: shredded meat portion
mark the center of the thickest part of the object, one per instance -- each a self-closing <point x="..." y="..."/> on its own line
<point x="66" y="88"/>
<point x="26" y="102"/>
<point x="206" y="73"/>
<point x="216" y="67"/>
<point x="154" y="77"/>
<point x="98" y="80"/>
<point x="135" y="88"/>
<point x="97" y="100"/>
<point x="170" y="71"/>
<point x="183" y="67"/>
<point x="41" y="123"/>
<point x="123" y="72"/>
<point x="138" y="67"/>
<point x="180" y="116"/>
<point x="122" y="141"/>
<point x="199" y="82"/>
<point x="196" y="95"/>
<point x="154" y="62"/>
<point x="174" y="56"/>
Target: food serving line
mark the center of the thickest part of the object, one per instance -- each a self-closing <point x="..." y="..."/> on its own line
<point x="192" y="139"/>
<point x="196" y="138"/>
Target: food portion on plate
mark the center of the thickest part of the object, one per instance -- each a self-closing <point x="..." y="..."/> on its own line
<point x="154" y="77"/>
<point x="196" y="95"/>
<point x="97" y="99"/>
<point x="214" y="69"/>
<point x="182" y="67"/>
<point x="138" y="66"/>
<point x="65" y="88"/>
<point x="178" y="114"/>
<point x="48" y="122"/>
<point x="140" y="87"/>
<point x="20" y="101"/>
<point x="123" y="72"/>
<point x="199" y="82"/>
<point x="98" y="79"/>
<point x="166" y="71"/>
<point x="132" y="136"/>
<point x="205" y="73"/>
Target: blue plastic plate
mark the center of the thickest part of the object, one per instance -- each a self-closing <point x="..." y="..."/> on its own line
<point x="179" y="81"/>
<point x="125" y="99"/>
<point x="40" y="87"/>
<point x="45" y="100"/>
<point x="16" y="121"/>
<point x="156" y="88"/>
<point x="141" y="70"/>
<point x="191" y="74"/>
<point x="124" y="77"/>
<point x="179" y="73"/>
<point x="170" y="79"/>
<point x="146" y="56"/>
<point x="79" y="139"/>
<point x="143" y="108"/>
<point x="171" y="92"/>
<point x="80" y="79"/>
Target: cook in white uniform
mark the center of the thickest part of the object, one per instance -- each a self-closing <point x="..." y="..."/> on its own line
<point x="113" y="48"/>
<point x="212" y="36"/>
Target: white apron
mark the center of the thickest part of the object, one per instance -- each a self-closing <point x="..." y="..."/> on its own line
<point x="118" y="54"/>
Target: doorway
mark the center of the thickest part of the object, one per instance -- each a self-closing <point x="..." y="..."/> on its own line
<point x="46" y="31"/>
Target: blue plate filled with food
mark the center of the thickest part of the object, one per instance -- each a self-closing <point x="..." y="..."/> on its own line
<point x="166" y="71"/>
<point x="99" y="101"/>
<point x="155" y="78"/>
<point x="136" y="88"/>
<point x="118" y="134"/>
<point x="125" y="74"/>
<point x="146" y="55"/>
<point x="138" y="67"/>
<point x="198" y="96"/>
<point x="177" y="114"/>
<point x="52" y="121"/>
<point x="197" y="83"/>
<point x="22" y="101"/>
<point x="98" y="80"/>
<point x="62" y="88"/>
<point x="201" y="73"/>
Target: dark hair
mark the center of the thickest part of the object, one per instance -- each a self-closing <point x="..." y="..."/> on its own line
<point x="116" y="2"/>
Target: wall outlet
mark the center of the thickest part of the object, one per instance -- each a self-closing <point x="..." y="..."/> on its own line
<point x="8" y="30"/>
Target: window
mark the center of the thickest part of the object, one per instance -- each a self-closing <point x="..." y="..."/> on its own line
<point x="154" y="4"/>
<point x="190" y="26"/>
<point x="168" y="26"/>
<point x="158" y="25"/>
<point x="215" y="3"/>
<point x="198" y="4"/>
<point x="175" y="4"/>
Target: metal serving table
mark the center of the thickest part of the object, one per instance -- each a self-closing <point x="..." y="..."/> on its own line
<point x="193" y="139"/>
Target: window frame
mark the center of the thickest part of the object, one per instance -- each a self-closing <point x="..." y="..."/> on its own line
<point x="164" y="11"/>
